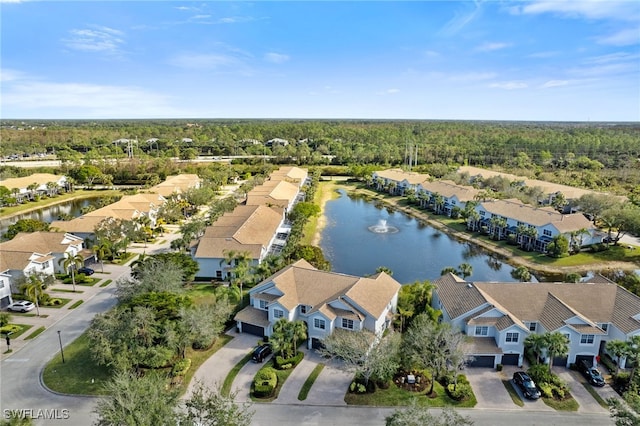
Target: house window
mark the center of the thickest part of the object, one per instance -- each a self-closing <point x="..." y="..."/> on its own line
<point x="568" y="337"/>
<point x="482" y="330"/>
<point x="482" y="213"/>
<point x="263" y="304"/>
<point x="604" y="327"/>
<point x="546" y="233"/>
<point x="319" y="323"/>
<point x="45" y="265"/>
<point x="512" y="337"/>
<point x="277" y="313"/>
<point x="303" y="309"/>
<point x="533" y="326"/>
<point x="587" y="339"/>
<point x="1" y="283"/>
<point x="347" y="323"/>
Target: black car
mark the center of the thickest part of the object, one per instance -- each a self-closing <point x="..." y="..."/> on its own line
<point x="591" y="373"/>
<point x="86" y="271"/>
<point x="526" y="385"/>
<point x="261" y="353"/>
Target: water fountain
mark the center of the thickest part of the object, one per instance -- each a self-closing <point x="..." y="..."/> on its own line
<point x="382" y="228"/>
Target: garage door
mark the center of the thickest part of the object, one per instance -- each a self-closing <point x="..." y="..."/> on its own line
<point x="588" y="358"/>
<point x="4" y="302"/>
<point x="510" y="359"/>
<point x="483" y="361"/>
<point x="252" y="329"/>
<point x="317" y="343"/>
<point x="560" y="361"/>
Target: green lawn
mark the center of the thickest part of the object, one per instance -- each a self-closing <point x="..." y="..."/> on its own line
<point x="306" y="387"/>
<point x="106" y="283"/>
<point x="66" y="290"/>
<point x="568" y="404"/>
<point x="202" y="293"/>
<point x="62" y="300"/>
<point x="394" y="396"/>
<point x="75" y="305"/>
<point x="35" y="334"/>
<point x="283" y="375"/>
<point x="512" y="393"/>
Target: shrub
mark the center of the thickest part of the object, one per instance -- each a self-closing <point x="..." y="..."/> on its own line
<point x="546" y="390"/>
<point x="499" y="367"/>
<point x="621" y="379"/>
<point x="281" y="362"/>
<point x="11" y="328"/>
<point x="265" y="382"/>
<point x="460" y="391"/>
<point x="181" y="367"/>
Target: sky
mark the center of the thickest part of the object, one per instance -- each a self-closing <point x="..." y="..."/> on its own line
<point x="485" y="60"/>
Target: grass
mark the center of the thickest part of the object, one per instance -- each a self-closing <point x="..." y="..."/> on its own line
<point x="33" y="315"/>
<point x="567" y="404"/>
<point x="106" y="283"/>
<point x="62" y="300"/>
<point x="228" y="381"/>
<point x="79" y="374"/>
<point x="75" y="305"/>
<point x="512" y="393"/>
<point x="202" y="293"/>
<point x="36" y="333"/>
<point x="306" y="387"/>
<point x="66" y="290"/>
<point x="17" y="329"/>
<point x="395" y="396"/>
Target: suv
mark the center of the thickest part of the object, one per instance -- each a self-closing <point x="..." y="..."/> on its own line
<point x="528" y="387"/>
<point x="86" y="271"/>
<point x="21" y="306"/>
<point x="591" y="373"/>
<point x="261" y="352"/>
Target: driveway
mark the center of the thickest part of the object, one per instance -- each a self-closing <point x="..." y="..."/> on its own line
<point x="488" y="388"/>
<point x="330" y="386"/>
<point x="588" y="404"/>
<point x="529" y="404"/>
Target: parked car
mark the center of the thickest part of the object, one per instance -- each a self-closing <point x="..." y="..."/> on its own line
<point x="591" y="373"/>
<point x="526" y="385"/>
<point x="261" y="353"/>
<point x="21" y="306"/>
<point x="86" y="271"/>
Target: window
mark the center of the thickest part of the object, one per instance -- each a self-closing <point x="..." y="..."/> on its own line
<point x="263" y="304"/>
<point x="568" y="337"/>
<point x="587" y="339"/>
<point x="303" y="309"/>
<point x="512" y="337"/>
<point x="482" y="213"/>
<point x="45" y="265"/>
<point x="533" y="326"/>
<point x="546" y="233"/>
<point x="319" y="323"/>
<point x="1" y="283"/>
<point x="604" y="327"/>
<point x="347" y="323"/>
<point x="277" y="313"/>
<point x="482" y="330"/>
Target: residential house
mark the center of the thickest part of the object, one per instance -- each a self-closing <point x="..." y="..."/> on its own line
<point x="36" y="184"/>
<point x="276" y="142"/>
<point x="5" y="285"/>
<point x="291" y="174"/>
<point x="278" y="193"/>
<point x="397" y="181"/>
<point x="453" y="195"/>
<point x="177" y="185"/>
<point x="545" y="221"/>
<point x="253" y="229"/>
<point x="498" y="317"/>
<point x="323" y="300"/>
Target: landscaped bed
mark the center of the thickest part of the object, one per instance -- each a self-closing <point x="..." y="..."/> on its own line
<point x="267" y="388"/>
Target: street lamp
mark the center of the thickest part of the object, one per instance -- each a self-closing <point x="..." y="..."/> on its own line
<point x="61" y="350"/>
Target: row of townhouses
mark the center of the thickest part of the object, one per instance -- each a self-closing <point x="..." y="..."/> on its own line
<point x="498" y="317"/>
<point x="26" y="188"/>
<point x="497" y="217"/>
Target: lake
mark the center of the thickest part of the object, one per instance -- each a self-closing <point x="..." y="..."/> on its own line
<point x="356" y="242"/>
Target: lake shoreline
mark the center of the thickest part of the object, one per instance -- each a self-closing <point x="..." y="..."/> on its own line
<point x="508" y="256"/>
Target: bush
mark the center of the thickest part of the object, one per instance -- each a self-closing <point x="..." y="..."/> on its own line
<point x="356" y="387"/>
<point x="546" y="390"/>
<point x="280" y="362"/>
<point x="11" y="328"/>
<point x="621" y="379"/>
<point x="459" y="392"/>
<point x="499" y="367"/>
<point x="181" y="367"/>
<point x="265" y="382"/>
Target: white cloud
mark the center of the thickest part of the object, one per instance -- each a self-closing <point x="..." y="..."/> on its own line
<point x="509" y="85"/>
<point x="589" y="9"/>
<point x="276" y="58"/>
<point x="12" y="1"/>
<point x="90" y="100"/>
<point x="205" y="61"/>
<point x="95" y="39"/>
<point x="626" y="37"/>
<point x="7" y="74"/>
<point x="201" y="17"/>
<point x="461" y="19"/>
<point x="613" y="57"/>
<point x="489" y="46"/>
<point x="554" y="83"/>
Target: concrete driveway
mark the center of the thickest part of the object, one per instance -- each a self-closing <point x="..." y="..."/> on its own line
<point x="488" y="388"/>
<point x="574" y="379"/>
<point x="529" y="404"/>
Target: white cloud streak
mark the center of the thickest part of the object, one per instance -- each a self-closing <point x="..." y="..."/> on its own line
<point x="589" y="9"/>
<point x="492" y="46"/>
<point x="95" y="39"/>
<point x="625" y="37"/>
<point x="509" y="85"/>
<point x="276" y="58"/>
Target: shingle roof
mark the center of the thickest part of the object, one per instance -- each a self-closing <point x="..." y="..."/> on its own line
<point x="253" y="316"/>
<point x="457" y="296"/>
<point x="84" y="224"/>
<point x="40" y="242"/>
<point x="448" y="189"/>
<point x="23" y="182"/>
<point x="480" y="346"/>
<point x="398" y="175"/>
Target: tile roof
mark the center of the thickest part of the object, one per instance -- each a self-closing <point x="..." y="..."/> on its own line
<point x="398" y="175"/>
<point x="40" y="242"/>
<point x="302" y="284"/>
<point x="15" y="260"/>
<point x="23" y="182"/>
<point x="537" y="216"/>
<point x="292" y="173"/>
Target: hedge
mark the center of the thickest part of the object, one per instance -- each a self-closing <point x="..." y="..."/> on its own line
<point x="181" y="367"/>
<point x="265" y="383"/>
<point x="286" y="363"/>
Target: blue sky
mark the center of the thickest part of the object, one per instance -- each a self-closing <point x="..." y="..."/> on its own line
<point x="485" y="60"/>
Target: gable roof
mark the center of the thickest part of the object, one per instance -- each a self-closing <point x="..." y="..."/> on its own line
<point x="398" y="175"/>
<point x="302" y="284"/>
<point x="83" y="224"/>
<point x="23" y="182"/>
<point x="448" y="189"/>
<point x="40" y="242"/>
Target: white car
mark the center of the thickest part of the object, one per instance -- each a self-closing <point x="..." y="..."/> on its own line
<point x="21" y="306"/>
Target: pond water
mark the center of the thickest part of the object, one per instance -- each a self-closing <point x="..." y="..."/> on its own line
<point x="361" y="236"/>
<point x="51" y="213"/>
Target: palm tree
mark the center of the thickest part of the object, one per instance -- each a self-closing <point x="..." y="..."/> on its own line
<point x="465" y="270"/>
<point x="448" y="269"/>
<point x="240" y="272"/>
<point x="472" y="220"/>
<point x="557" y="345"/>
<point x="619" y="349"/>
<point x="536" y="343"/>
<point x="531" y="234"/>
<point x="70" y="263"/>
<point x="521" y="273"/>
<point x="298" y="332"/>
<point x="33" y="288"/>
<point x="101" y="251"/>
<point x="633" y="354"/>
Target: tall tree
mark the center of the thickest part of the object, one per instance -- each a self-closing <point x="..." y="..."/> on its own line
<point x="33" y="287"/>
<point x="208" y="407"/>
<point x="71" y="263"/>
<point x="557" y="345"/>
<point x="417" y="415"/>
<point x="618" y="349"/>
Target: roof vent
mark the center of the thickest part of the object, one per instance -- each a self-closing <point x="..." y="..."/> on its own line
<point x="469" y="285"/>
